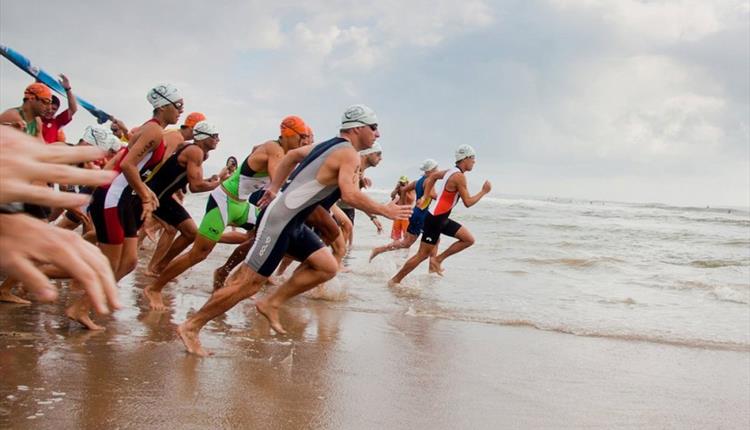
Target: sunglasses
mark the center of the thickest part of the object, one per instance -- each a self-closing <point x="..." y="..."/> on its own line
<point x="45" y="102"/>
<point x="177" y="105"/>
<point x="213" y="136"/>
<point x="373" y="127"/>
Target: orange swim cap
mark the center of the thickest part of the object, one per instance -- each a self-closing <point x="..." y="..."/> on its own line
<point x="40" y="90"/>
<point x="193" y="118"/>
<point x="292" y="125"/>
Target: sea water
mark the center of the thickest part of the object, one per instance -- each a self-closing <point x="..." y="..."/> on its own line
<point x="646" y="272"/>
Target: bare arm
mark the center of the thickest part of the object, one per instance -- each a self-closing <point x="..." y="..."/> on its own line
<point x="72" y="102"/>
<point x="286" y="165"/>
<point x="350" y="193"/>
<point x="463" y="191"/>
<point x="145" y="140"/>
<point x="193" y="157"/>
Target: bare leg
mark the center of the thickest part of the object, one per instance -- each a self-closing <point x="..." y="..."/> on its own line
<point x="128" y="258"/>
<point x="285" y="262"/>
<point x="243" y="283"/>
<point x="465" y="240"/>
<point x="319" y="267"/>
<point x="406" y="242"/>
<point x="236" y="258"/>
<point x="6" y="292"/>
<point x="422" y="254"/>
<point x="162" y="246"/>
<point x="200" y="250"/>
<point x="188" y="232"/>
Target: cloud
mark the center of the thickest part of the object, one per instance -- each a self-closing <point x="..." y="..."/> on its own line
<point x="583" y="94"/>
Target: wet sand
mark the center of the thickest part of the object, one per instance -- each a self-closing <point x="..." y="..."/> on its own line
<point x="342" y="369"/>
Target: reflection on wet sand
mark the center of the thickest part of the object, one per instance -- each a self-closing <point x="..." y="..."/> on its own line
<point x="343" y="369"/>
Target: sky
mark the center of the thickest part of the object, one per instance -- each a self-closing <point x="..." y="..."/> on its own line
<point x="635" y="101"/>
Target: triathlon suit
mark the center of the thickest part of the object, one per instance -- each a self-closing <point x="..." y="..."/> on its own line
<point x="436" y="221"/>
<point x="281" y="228"/>
<point x="416" y="220"/>
<point x="245" y="186"/>
<point x="115" y="208"/>
<point x="31" y="128"/>
<point x="164" y="181"/>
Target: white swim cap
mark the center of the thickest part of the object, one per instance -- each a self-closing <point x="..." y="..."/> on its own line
<point x="372" y="150"/>
<point x="162" y="95"/>
<point x="357" y="116"/>
<point x="204" y="130"/>
<point x="428" y="165"/>
<point x="465" y="151"/>
<point x="97" y="135"/>
<point x="114" y="143"/>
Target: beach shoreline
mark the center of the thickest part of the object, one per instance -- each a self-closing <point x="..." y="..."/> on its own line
<point x="347" y="369"/>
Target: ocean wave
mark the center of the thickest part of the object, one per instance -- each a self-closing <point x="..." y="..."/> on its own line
<point x="714" y="264"/>
<point x="573" y="262"/>
<point x="601" y="333"/>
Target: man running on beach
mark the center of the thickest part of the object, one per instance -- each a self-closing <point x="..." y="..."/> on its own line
<point x="416" y="221"/>
<point x="437" y="222"/>
<point x="325" y="173"/>
<point x="232" y="203"/>
<point x="406" y="196"/>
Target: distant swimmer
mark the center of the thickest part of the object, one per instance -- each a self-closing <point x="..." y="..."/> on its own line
<point x="416" y="221"/>
<point x="324" y="173"/>
<point x="451" y="187"/>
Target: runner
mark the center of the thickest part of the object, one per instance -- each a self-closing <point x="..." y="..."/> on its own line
<point x="116" y="212"/>
<point x="325" y="172"/>
<point x="183" y="168"/>
<point x="437" y="221"/>
<point x="231" y="204"/>
<point x="405" y="197"/>
<point x="416" y="221"/>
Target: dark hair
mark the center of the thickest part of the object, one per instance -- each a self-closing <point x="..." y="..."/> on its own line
<point x="231" y="158"/>
<point x="55" y="100"/>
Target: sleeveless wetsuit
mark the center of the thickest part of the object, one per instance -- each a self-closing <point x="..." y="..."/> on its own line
<point x="115" y="209"/>
<point x="246" y="186"/>
<point x="437" y="220"/>
<point x="416" y="220"/>
<point x="281" y="228"/>
<point x="166" y="179"/>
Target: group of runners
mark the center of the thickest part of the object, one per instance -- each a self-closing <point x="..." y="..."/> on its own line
<point x="281" y="201"/>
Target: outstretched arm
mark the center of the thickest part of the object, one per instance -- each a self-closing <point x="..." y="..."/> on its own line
<point x="72" y="102"/>
<point x="348" y="184"/>
<point x="463" y="191"/>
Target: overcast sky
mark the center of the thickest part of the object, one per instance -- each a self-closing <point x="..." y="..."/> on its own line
<point x="640" y="101"/>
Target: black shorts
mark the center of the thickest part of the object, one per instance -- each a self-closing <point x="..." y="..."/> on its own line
<point x="434" y="226"/>
<point x="296" y="239"/>
<point x="171" y="212"/>
<point x="114" y="224"/>
<point x="349" y="213"/>
<point x="39" y="212"/>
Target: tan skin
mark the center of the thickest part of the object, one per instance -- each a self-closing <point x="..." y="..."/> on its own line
<point x="408" y="239"/>
<point x="456" y="182"/>
<point x="123" y="257"/>
<point x="32" y="109"/>
<point x="268" y="153"/>
<point x="341" y="168"/>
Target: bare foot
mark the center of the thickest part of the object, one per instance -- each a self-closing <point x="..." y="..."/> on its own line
<point x="8" y="297"/>
<point x="151" y="273"/>
<point x="155" y="301"/>
<point x="435" y="266"/>
<point x="81" y="316"/>
<point x="272" y="315"/>
<point x="190" y="339"/>
<point x="393" y="283"/>
<point x="373" y="254"/>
